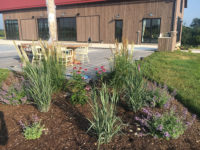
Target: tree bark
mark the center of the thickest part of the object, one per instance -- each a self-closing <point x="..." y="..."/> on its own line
<point x="51" y="11"/>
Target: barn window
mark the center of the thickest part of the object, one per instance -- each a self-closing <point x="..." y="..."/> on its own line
<point x="43" y="29"/>
<point x="67" y="29"/>
<point x="12" y="29"/>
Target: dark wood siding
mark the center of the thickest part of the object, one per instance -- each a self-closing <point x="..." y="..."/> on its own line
<point x="131" y="12"/>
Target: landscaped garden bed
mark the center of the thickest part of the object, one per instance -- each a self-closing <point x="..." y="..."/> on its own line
<point x="118" y="110"/>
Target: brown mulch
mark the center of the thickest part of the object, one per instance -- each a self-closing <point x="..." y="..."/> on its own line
<point x="67" y="127"/>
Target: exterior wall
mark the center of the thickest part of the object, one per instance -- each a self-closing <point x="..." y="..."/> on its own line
<point x="131" y="12"/>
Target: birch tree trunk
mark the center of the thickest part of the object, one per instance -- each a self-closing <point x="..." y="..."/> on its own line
<point x="51" y="11"/>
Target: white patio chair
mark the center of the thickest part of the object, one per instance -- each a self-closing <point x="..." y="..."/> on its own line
<point x="67" y="56"/>
<point x="82" y="54"/>
<point x="37" y="54"/>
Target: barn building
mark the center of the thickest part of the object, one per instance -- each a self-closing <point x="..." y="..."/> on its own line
<point x="140" y="21"/>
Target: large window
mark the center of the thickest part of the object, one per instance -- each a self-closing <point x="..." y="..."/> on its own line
<point x="12" y="29"/>
<point x="118" y="30"/>
<point x="67" y="29"/>
<point x="150" y="30"/>
<point x="43" y="29"/>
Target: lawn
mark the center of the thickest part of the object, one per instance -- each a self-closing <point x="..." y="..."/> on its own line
<point x="3" y="74"/>
<point x="178" y="70"/>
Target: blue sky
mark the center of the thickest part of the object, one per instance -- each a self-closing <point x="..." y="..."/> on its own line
<point x="193" y="11"/>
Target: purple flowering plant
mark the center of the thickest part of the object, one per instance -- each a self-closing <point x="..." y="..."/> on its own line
<point x="168" y="125"/>
<point x="14" y="94"/>
<point x="159" y="96"/>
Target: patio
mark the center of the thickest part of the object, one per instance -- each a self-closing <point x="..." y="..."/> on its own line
<point x="98" y="54"/>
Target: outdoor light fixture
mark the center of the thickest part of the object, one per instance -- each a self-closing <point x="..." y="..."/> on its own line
<point x="78" y="14"/>
<point x="150" y="14"/>
<point x="63" y="14"/>
<point x="117" y="16"/>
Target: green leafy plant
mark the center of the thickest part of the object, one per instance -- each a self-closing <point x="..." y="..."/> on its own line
<point x="33" y="130"/>
<point x="39" y="86"/>
<point x="77" y="87"/>
<point x="105" y="123"/>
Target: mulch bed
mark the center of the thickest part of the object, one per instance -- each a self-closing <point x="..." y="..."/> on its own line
<point x="67" y="129"/>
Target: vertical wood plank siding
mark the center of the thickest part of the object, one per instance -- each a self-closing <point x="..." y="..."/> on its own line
<point x="131" y="12"/>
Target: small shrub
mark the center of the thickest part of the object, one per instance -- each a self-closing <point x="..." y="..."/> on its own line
<point x="105" y="123"/>
<point x="168" y="126"/>
<point x="39" y="86"/>
<point x="77" y="85"/>
<point x="33" y="130"/>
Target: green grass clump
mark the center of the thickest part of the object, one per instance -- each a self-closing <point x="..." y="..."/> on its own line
<point x="105" y="123"/>
<point x="178" y="70"/>
<point x="39" y="85"/>
<point x="57" y="72"/>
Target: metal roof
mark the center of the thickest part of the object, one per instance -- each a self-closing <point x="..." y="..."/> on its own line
<point x="6" y="5"/>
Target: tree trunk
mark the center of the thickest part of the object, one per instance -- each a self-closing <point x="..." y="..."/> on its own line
<point x="51" y="10"/>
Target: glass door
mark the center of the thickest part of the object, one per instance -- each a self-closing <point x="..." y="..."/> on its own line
<point x="118" y="30"/>
<point x="150" y="30"/>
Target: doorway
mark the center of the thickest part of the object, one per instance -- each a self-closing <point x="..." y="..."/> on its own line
<point x="150" y="30"/>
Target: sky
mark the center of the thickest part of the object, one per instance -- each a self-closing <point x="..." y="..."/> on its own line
<point x="193" y="11"/>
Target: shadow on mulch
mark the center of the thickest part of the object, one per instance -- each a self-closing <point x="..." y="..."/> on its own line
<point x="80" y="119"/>
<point x="3" y="130"/>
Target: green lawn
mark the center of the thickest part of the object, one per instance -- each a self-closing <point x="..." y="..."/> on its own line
<point x="178" y="70"/>
<point x="3" y="74"/>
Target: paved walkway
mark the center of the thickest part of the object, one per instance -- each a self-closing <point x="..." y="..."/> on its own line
<point x="98" y="57"/>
